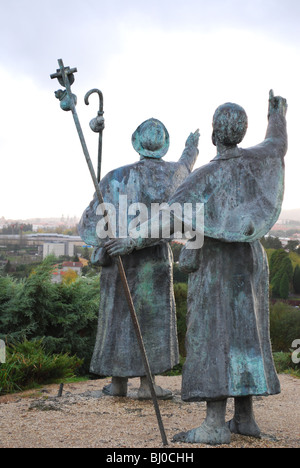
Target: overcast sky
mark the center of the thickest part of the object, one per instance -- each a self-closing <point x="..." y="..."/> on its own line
<point x="169" y="59"/>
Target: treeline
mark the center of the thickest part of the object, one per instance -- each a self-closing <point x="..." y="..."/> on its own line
<point x="271" y="242"/>
<point x="16" y="228"/>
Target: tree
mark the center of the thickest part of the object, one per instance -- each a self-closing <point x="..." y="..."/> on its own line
<point x="280" y="265"/>
<point x="176" y="249"/>
<point x="271" y="242"/>
<point x="284" y="287"/>
<point x="296" y="280"/>
<point x="178" y="275"/>
<point x="69" y="276"/>
<point x="8" y="268"/>
<point x="292" y="245"/>
<point x="86" y="253"/>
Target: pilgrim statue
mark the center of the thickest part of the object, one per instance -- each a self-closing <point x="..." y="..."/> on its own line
<point x="149" y="272"/>
<point x="227" y="343"/>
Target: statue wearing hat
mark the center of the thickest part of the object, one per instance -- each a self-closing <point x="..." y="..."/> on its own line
<point x="149" y="271"/>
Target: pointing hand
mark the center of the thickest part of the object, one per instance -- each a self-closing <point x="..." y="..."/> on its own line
<point x="277" y="104"/>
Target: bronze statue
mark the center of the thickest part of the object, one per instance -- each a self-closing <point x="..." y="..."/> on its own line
<point x="149" y="272"/>
<point x="228" y="345"/>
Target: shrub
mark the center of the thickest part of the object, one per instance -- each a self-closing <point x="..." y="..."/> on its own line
<point x="281" y="273"/>
<point x="296" y="280"/>
<point x="284" y="363"/>
<point x="178" y="275"/>
<point x="27" y="365"/>
<point x="65" y="314"/>
<point x="284" y="326"/>
<point x="284" y="286"/>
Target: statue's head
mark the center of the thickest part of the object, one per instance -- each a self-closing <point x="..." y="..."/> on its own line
<point x="151" y="139"/>
<point x="230" y="123"/>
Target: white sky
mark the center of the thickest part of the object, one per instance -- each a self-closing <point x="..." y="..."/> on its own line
<point x="172" y="60"/>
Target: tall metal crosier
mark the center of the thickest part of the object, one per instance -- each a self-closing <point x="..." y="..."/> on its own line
<point x="68" y="101"/>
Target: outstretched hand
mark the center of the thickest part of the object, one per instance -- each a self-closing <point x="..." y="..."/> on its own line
<point x="277" y="104"/>
<point x="116" y="247"/>
<point x="193" y="139"/>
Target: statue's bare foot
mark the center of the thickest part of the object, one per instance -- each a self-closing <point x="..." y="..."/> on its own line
<point x="246" y="428"/>
<point x="243" y="421"/>
<point x="144" y="393"/>
<point x="205" y="434"/>
<point x="118" y="387"/>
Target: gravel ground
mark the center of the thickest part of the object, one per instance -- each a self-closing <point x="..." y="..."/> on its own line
<point x="85" y="418"/>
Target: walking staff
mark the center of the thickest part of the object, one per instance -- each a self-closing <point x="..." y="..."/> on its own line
<point x="97" y="125"/>
<point x="65" y="76"/>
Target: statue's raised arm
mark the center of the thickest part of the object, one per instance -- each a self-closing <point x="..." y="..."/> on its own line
<point x="190" y="152"/>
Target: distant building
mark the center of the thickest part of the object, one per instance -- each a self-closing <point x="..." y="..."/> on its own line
<point x="58" y="249"/>
<point x="76" y="266"/>
<point x="38" y="240"/>
<point x="56" y="276"/>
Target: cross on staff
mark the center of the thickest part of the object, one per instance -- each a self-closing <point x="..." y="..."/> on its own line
<point x="60" y="75"/>
<point x="65" y="76"/>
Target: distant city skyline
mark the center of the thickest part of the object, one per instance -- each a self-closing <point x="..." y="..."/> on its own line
<point x="292" y="215"/>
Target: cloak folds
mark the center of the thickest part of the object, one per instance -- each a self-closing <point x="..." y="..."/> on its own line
<point x="227" y="343"/>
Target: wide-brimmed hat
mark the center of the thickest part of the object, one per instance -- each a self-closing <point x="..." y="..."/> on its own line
<point x="151" y="139"/>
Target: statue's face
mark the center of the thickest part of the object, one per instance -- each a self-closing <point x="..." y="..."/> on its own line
<point x="230" y="125"/>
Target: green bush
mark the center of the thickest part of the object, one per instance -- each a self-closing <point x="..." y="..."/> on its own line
<point x="64" y="315"/>
<point x="296" y="279"/>
<point x="27" y="365"/>
<point x="281" y="273"/>
<point x="178" y="275"/>
<point x="284" y="286"/>
<point x="284" y="363"/>
<point x="284" y="326"/>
